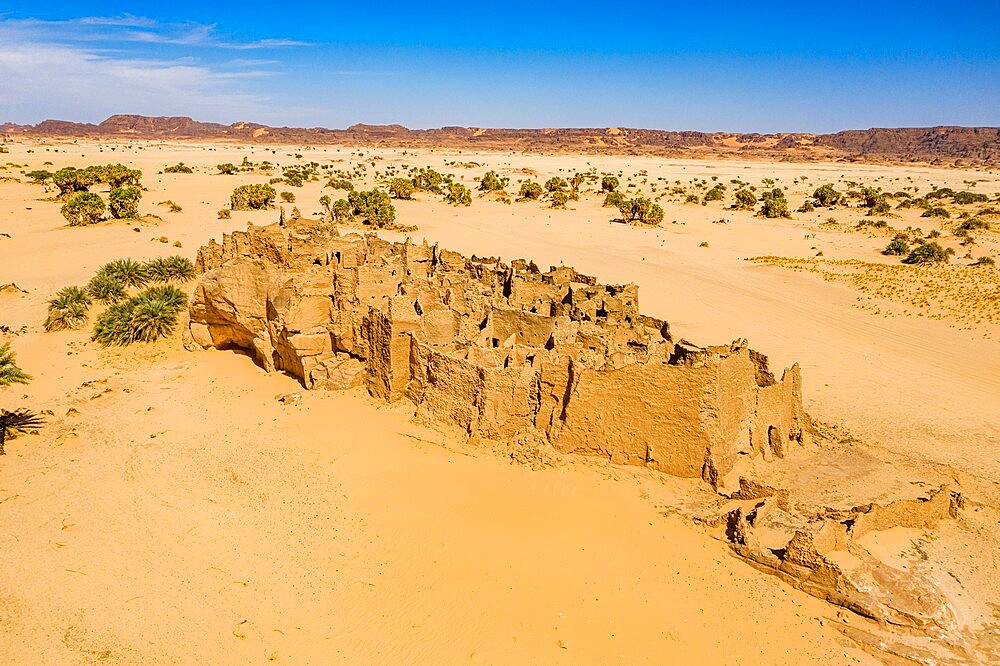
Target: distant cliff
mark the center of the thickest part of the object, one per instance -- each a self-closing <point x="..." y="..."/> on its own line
<point x="961" y="145"/>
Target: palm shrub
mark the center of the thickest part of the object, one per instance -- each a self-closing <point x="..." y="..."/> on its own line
<point x="147" y="317"/>
<point x="113" y="326"/>
<point x="129" y="272"/>
<point x="152" y="318"/>
<point x="168" y="269"/>
<point x="123" y="202"/>
<point x="14" y="423"/>
<point x="84" y="208"/>
<point x="68" y="310"/>
<point x="10" y="373"/>
<point x="106" y="288"/>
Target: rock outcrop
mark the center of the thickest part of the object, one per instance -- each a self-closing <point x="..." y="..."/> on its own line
<point x="502" y="351"/>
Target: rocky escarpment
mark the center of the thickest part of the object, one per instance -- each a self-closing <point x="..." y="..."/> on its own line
<point x="553" y="361"/>
<point x="502" y="351"/>
<point x="964" y="145"/>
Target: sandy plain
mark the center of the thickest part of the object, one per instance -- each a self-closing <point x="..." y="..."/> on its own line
<point x="172" y="511"/>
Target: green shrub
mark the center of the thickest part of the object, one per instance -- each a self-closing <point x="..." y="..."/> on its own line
<point x="773" y="207"/>
<point x="555" y="183"/>
<point x="84" y="208"/>
<point x="609" y="183"/>
<point x="147" y="317"/>
<point x="224" y="214"/>
<point x="374" y="206"/>
<point x="881" y="207"/>
<point x="68" y="310"/>
<point x="227" y="169"/>
<point x="124" y="202"/>
<point x="826" y="195"/>
<point x="117" y="175"/>
<point x="70" y="179"/>
<point x="717" y="193"/>
<point x="341" y="210"/>
<point x="641" y="210"/>
<point x="252" y="197"/>
<point x="401" y="188"/>
<point x="39" y="176"/>
<point x="106" y="288"/>
<point x="745" y="199"/>
<point x="928" y="253"/>
<point x="127" y="271"/>
<point x="559" y="199"/>
<point x="341" y="185"/>
<point x="491" y="182"/>
<point x="936" y="211"/>
<point x="178" y="168"/>
<point x="984" y="261"/>
<point x="168" y="269"/>
<point x="458" y="195"/>
<point x="874" y="198"/>
<point x="807" y="207"/>
<point x="288" y="197"/>
<point x="429" y="180"/>
<point x="530" y="190"/>
<point x="152" y="318"/>
<point x="964" y="197"/>
<point x="10" y="373"/>
<point x="972" y="224"/>
<point x="897" y="247"/>
<point x="614" y="199"/>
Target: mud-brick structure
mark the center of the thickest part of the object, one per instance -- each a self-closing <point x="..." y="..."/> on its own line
<point x="502" y="351"/>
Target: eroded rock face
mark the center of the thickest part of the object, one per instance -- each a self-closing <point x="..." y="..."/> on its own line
<point x="501" y="351"/>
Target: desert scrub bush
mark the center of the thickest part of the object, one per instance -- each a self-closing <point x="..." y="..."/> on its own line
<point x="492" y="182"/>
<point x="252" y="197"/>
<point x="68" y="309"/>
<point x="39" y="176"/>
<point x="458" y="195"/>
<point x="227" y="169"/>
<point x="530" y="190"/>
<point x="614" y="199"/>
<point x="559" y="199"/>
<point x="123" y="202"/>
<point x="401" y="188"/>
<point x="117" y="175"/>
<point x="717" y="193"/>
<point x="555" y="183"/>
<point x="807" y="207"/>
<point x="147" y="317"/>
<point x="288" y="197"/>
<point x="106" y="288"/>
<point x="965" y="197"/>
<point x="971" y="224"/>
<point x="936" y="211"/>
<point x="576" y="181"/>
<point x="180" y="167"/>
<point x="84" y="208"/>
<point x="774" y="204"/>
<point x="10" y="373"/>
<point x="641" y="210"/>
<point x="745" y="199"/>
<point x="341" y="210"/>
<point x="609" y="183"/>
<point x="224" y="214"/>
<point x="71" y="179"/>
<point x="373" y="205"/>
<point x="984" y="261"/>
<point x="898" y="246"/>
<point x="826" y="195"/>
<point x="341" y="184"/>
<point x="168" y="269"/>
<point x="429" y="180"/>
<point x="928" y="253"/>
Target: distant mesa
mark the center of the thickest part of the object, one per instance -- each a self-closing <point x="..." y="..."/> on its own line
<point x="969" y="146"/>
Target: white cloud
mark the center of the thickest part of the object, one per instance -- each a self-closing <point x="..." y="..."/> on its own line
<point x="45" y="80"/>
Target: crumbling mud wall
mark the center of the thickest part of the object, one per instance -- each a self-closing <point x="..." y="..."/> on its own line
<point x="500" y="350"/>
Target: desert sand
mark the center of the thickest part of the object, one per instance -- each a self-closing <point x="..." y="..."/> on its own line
<point x="173" y="510"/>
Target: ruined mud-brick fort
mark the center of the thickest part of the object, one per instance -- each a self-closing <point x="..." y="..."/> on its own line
<point x="502" y="351"/>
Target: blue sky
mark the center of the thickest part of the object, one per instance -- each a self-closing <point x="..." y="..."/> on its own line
<point x="778" y="66"/>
